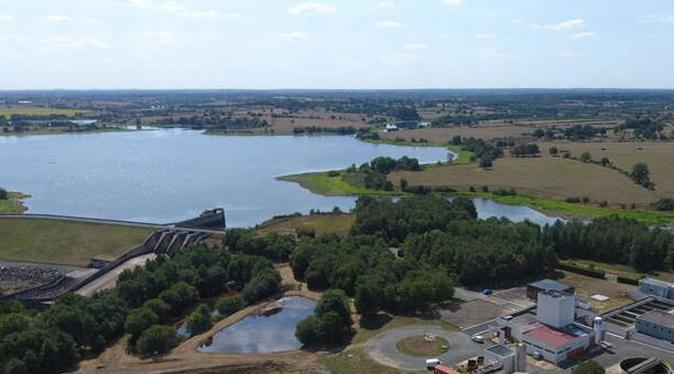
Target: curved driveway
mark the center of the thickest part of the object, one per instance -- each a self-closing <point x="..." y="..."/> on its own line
<point x="382" y="347"/>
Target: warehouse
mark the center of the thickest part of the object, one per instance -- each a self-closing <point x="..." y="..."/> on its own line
<point x="657" y="324"/>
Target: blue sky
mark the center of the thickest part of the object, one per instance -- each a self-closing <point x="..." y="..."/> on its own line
<point x="336" y="44"/>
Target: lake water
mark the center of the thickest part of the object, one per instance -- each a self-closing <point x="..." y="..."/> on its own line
<point x="489" y="208"/>
<point x="169" y="175"/>
<point x="260" y="334"/>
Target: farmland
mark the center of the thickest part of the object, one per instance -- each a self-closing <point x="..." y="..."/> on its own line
<point x="38" y="111"/>
<point x="68" y="243"/>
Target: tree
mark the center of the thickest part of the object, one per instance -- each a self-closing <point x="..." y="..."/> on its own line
<point x="554" y="150"/>
<point x="403" y="184"/>
<point x="641" y="175"/>
<point x="586" y="157"/>
<point x="538" y="133"/>
<point x="369" y="297"/>
<point x="456" y="140"/>
<point x="588" y="367"/>
<point x="139" y="320"/>
<point x="330" y="322"/>
<point x="230" y="304"/>
<point x="4" y="195"/>
<point x="605" y="162"/>
<point x="156" y="340"/>
<point x="200" y="320"/>
<point x="485" y="163"/>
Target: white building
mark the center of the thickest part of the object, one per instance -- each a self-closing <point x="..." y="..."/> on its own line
<point x="553" y="334"/>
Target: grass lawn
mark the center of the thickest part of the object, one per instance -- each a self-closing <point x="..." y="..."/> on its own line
<point x="464" y="157"/>
<point x="618" y="269"/>
<point x="322" y="183"/>
<point x="419" y="346"/>
<point x="355" y="360"/>
<point x="586" y="287"/>
<point x="38" y="111"/>
<point x="61" y="242"/>
<point x="320" y="223"/>
<point x="14" y="203"/>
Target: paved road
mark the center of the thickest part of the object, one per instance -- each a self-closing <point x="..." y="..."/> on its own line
<point x="109" y="222"/>
<point x="109" y="280"/>
<point x="382" y="347"/>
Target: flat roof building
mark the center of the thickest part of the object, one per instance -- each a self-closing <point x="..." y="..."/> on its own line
<point x="657" y="288"/>
<point x="658" y="324"/>
<point x="533" y="289"/>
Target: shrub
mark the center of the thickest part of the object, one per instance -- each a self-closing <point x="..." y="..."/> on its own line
<point x="200" y="320"/>
<point x="4" y="195"/>
<point x="230" y="305"/>
<point x="157" y="340"/>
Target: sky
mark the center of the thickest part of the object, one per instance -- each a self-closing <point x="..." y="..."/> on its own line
<point x="336" y="44"/>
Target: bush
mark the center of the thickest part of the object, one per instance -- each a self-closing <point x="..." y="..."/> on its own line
<point x="330" y="323"/>
<point x="156" y="340"/>
<point x="264" y="284"/>
<point x="4" y="195"/>
<point x="139" y="320"/>
<point x="664" y="205"/>
<point x="200" y="320"/>
<point x="588" y="367"/>
<point x="230" y="305"/>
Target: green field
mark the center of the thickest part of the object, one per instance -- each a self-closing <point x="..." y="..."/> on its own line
<point x="62" y="242"/>
<point x="14" y="204"/>
<point x="39" y="111"/>
<point x="323" y="184"/>
<point x="571" y="210"/>
<point x="320" y="223"/>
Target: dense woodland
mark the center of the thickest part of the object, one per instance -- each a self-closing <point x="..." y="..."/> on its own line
<point x="144" y="304"/>
<point x="401" y="256"/>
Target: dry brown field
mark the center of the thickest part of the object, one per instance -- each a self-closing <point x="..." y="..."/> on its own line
<point x="546" y="177"/>
<point x="659" y="156"/>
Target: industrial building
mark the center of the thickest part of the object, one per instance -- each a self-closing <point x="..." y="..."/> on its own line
<point x="533" y="289"/>
<point x="511" y="358"/>
<point x="658" y="324"/>
<point x="657" y="288"/>
<point x="552" y="333"/>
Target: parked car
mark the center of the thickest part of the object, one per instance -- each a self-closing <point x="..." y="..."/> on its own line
<point x="487" y="291"/>
<point x="478" y="339"/>
<point x="537" y="355"/>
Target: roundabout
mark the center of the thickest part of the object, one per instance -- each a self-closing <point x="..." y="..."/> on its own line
<point x="408" y="347"/>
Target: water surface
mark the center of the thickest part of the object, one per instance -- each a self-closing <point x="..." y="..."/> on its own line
<point x="168" y="175"/>
<point x="260" y="334"/>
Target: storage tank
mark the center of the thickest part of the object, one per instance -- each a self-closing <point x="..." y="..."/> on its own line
<point x="599" y="330"/>
<point x="521" y="358"/>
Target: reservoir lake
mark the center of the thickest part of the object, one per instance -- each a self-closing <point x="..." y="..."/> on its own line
<point x="164" y="176"/>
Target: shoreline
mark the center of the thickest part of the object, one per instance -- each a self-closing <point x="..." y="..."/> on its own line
<point x="14" y="203"/>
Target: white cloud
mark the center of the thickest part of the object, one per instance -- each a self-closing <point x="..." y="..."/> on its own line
<point x="656" y="18"/>
<point x="160" y="38"/>
<point x="572" y="54"/>
<point x="6" y="18"/>
<point x="59" y="18"/>
<point x="180" y="10"/>
<point x="386" y="5"/>
<point x="57" y="43"/>
<point x="582" y="35"/>
<point x="311" y="8"/>
<point x="416" y="47"/>
<point x="571" y="24"/>
<point x="388" y="25"/>
<point x="484" y="35"/>
<point x="293" y="36"/>
<point x="452" y="3"/>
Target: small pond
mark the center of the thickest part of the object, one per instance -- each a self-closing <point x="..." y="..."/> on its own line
<point x="264" y="334"/>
